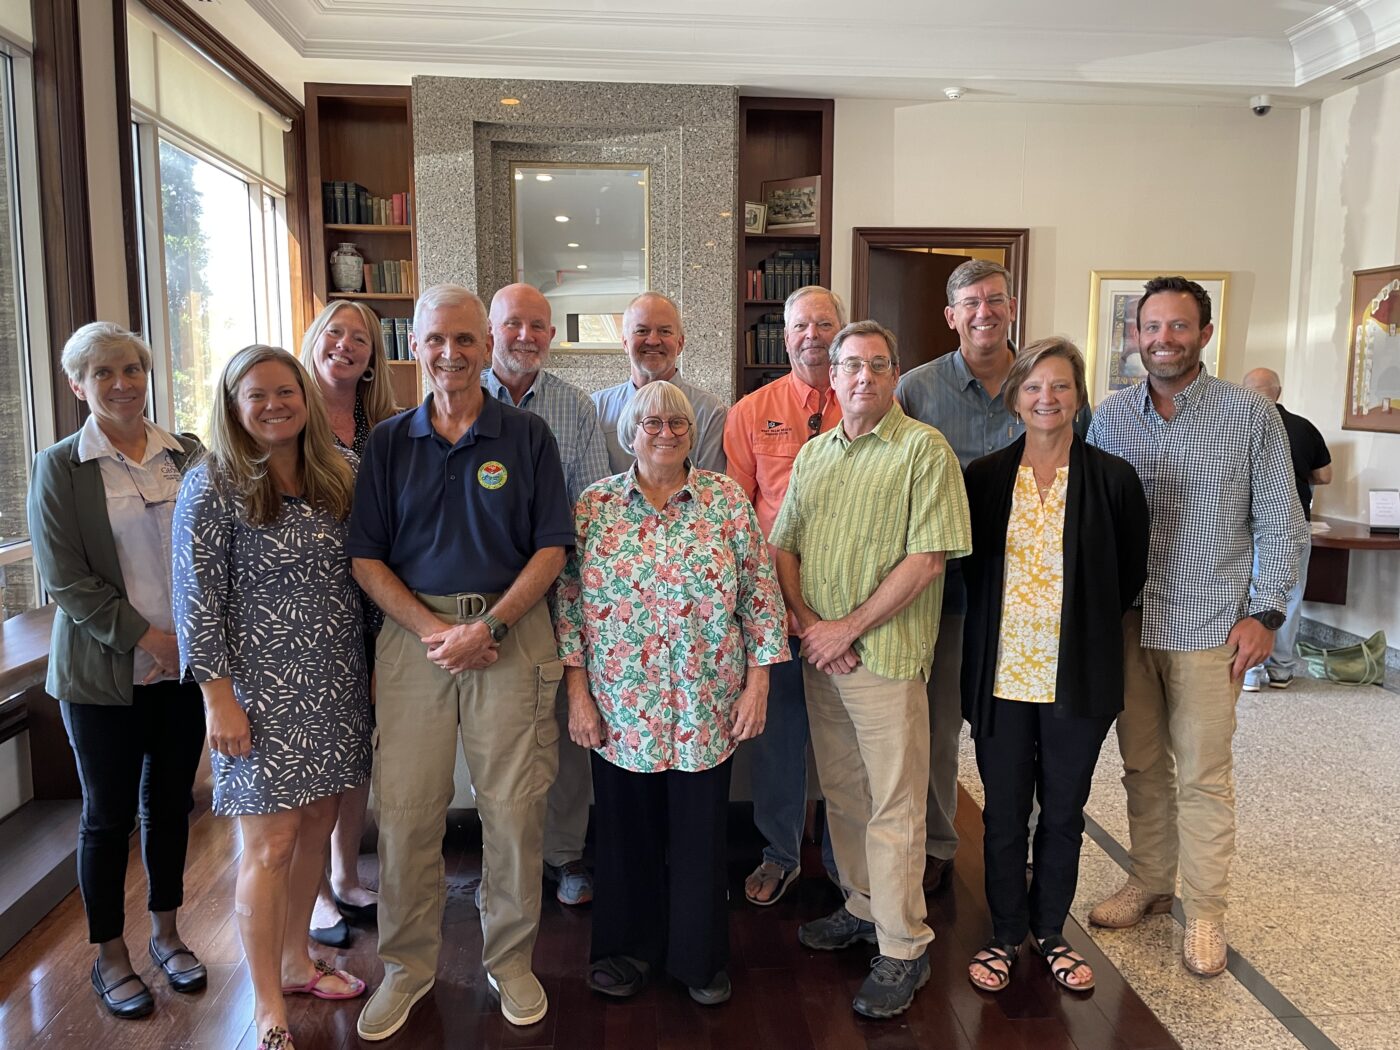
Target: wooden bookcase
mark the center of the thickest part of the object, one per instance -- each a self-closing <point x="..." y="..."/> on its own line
<point x="779" y="138"/>
<point x="362" y="133"/>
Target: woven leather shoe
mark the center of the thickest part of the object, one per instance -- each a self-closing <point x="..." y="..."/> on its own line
<point x="1128" y="906"/>
<point x="1204" y="949"/>
<point x="890" y="986"/>
<point x="840" y="929"/>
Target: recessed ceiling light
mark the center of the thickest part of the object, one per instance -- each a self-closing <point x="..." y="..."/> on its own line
<point x="544" y="178"/>
<point x="582" y="266"/>
<point x="573" y="244"/>
<point x="510" y="102"/>
<point x="561" y="218"/>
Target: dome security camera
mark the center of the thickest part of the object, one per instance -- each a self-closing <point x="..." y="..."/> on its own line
<point x="1261" y="104"/>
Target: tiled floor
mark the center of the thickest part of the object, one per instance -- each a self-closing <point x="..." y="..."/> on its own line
<point x="1315" y="904"/>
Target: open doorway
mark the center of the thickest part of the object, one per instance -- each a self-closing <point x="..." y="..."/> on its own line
<point x="899" y="275"/>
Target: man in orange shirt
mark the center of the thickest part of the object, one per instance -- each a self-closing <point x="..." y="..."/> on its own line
<point x="762" y="437"/>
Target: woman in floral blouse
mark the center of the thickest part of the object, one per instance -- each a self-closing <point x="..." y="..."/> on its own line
<point x="667" y="615"/>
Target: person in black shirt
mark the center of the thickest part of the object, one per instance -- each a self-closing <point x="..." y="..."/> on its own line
<point x="1312" y="465"/>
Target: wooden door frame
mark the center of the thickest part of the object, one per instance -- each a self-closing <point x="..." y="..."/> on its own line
<point x="1015" y="242"/>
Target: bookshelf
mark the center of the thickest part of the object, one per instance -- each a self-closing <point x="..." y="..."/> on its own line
<point x="362" y="134"/>
<point x="779" y="138"/>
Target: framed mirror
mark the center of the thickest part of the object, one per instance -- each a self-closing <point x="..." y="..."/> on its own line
<point x="579" y="233"/>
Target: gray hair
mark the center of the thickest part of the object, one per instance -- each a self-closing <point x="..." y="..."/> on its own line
<point x="855" y="328"/>
<point x="97" y="340"/>
<point x="975" y="271"/>
<point x="658" y="398"/>
<point x="440" y="295"/>
<point x="680" y="324"/>
<point x="814" y="289"/>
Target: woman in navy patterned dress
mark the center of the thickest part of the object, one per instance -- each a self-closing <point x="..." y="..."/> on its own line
<point x="270" y="624"/>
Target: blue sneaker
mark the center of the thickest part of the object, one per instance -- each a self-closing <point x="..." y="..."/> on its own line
<point x="574" y="879"/>
<point x="1255" y="679"/>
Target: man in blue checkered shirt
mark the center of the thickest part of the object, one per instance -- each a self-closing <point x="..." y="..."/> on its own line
<point x="522" y="330"/>
<point x="1227" y="530"/>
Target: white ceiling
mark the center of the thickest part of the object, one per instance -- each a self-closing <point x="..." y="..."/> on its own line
<point x="1133" y="51"/>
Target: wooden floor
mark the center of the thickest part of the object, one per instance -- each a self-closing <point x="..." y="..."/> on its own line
<point x="785" y="997"/>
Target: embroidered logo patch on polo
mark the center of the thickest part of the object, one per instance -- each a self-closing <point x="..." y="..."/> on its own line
<point x="492" y="475"/>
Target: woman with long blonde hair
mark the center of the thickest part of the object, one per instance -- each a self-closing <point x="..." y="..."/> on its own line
<point x="344" y="351"/>
<point x="270" y="624"/>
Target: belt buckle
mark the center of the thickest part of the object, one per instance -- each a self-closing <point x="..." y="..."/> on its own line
<point x="470" y="607"/>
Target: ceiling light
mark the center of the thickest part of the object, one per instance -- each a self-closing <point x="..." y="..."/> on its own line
<point x="582" y="266"/>
<point x="561" y="218"/>
<point x="510" y="102"/>
<point x="544" y="178"/>
<point x="573" y="244"/>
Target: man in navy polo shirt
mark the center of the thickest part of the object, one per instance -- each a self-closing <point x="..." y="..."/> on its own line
<point x="460" y="525"/>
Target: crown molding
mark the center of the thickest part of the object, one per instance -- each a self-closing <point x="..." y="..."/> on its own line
<point x="1348" y="32"/>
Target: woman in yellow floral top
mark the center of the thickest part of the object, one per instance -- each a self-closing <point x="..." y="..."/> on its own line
<point x="1059" y="554"/>
<point x="667" y="616"/>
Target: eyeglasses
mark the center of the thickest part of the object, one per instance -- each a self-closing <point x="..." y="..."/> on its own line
<point x="652" y="425"/>
<point x="147" y="500"/>
<point x="852" y="365"/>
<point x="814" y="425"/>
<point x="973" y="303"/>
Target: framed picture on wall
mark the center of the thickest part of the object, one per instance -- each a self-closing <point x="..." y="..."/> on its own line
<point x="1112" y="356"/>
<point x="1373" y="366"/>
<point x="754" y="217"/>
<point x="794" y="205"/>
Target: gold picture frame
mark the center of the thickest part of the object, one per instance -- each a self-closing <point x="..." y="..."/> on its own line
<point x="1373" y="360"/>
<point x="1112" y="342"/>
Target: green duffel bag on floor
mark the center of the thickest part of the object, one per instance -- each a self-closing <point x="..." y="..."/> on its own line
<point x="1362" y="664"/>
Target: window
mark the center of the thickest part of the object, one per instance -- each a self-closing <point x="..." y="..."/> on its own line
<point x="25" y="417"/>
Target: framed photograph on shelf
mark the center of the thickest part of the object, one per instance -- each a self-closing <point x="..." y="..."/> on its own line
<point x="1112" y="356"/>
<point x="1373" y="365"/>
<point x="793" y="205"/>
<point x="755" y="216"/>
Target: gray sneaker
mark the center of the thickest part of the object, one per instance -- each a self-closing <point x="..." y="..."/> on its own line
<point x="574" y="879"/>
<point x="889" y="988"/>
<point x="840" y="929"/>
<point x="1279" y="681"/>
<point x="714" y="993"/>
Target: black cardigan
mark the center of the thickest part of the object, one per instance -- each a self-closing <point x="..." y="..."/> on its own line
<point x="1106" y="534"/>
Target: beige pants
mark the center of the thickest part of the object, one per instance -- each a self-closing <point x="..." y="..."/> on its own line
<point x="1175" y="736"/>
<point x="566" y="820"/>
<point x="871" y="739"/>
<point x="504" y="716"/>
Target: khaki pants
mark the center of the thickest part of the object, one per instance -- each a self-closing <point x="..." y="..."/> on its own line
<point x="1175" y="736"/>
<point x="871" y="738"/>
<point x="504" y="716"/>
<point x="566" y="819"/>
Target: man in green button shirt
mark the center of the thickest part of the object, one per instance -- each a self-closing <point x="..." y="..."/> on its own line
<point x="874" y="508"/>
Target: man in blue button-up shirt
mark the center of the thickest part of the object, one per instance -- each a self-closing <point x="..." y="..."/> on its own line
<point x="960" y="394"/>
<point x="522" y="329"/>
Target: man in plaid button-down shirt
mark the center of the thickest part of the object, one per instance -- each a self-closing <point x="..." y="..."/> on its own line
<point x="1227" y="529"/>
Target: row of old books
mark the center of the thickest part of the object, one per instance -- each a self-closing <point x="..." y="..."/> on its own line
<point x="350" y="203"/>
<point x="782" y="273"/>
<point x="392" y="276"/>
<point x="765" y="341"/>
<point x="395" y="332"/>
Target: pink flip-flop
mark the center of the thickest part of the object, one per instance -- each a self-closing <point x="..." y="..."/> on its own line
<point x="324" y="970"/>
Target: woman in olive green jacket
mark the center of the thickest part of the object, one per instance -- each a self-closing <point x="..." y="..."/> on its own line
<point x="101" y="503"/>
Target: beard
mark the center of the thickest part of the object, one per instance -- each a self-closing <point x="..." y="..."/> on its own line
<point x="1186" y="363"/>
<point x="522" y="360"/>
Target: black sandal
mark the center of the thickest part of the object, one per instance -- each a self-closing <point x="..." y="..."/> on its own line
<point x="998" y="953"/>
<point x="1056" y="949"/>
<point x="620" y="976"/>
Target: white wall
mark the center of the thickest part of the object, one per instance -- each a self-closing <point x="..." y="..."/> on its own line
<point x="1163" y="188"/>
<point x="1347" y="218"/>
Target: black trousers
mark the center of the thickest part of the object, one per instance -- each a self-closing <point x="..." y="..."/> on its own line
<point x="138" y="759"/>
<point x="1034" y="753"/>
<point x="659" y="869"/>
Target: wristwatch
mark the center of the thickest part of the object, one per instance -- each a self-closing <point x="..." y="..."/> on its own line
<point x="1272" y="619"/>
<point x="499" y="629"/>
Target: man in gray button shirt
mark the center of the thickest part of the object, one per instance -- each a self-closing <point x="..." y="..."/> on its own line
<point x="961" y="395"/>
<point x="654" y="338"/>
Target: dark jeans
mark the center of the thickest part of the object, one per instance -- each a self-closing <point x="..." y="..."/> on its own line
<point x="134" y="759"/>
<point x="1034" y="753"/>
<point x="659" y="869"/>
